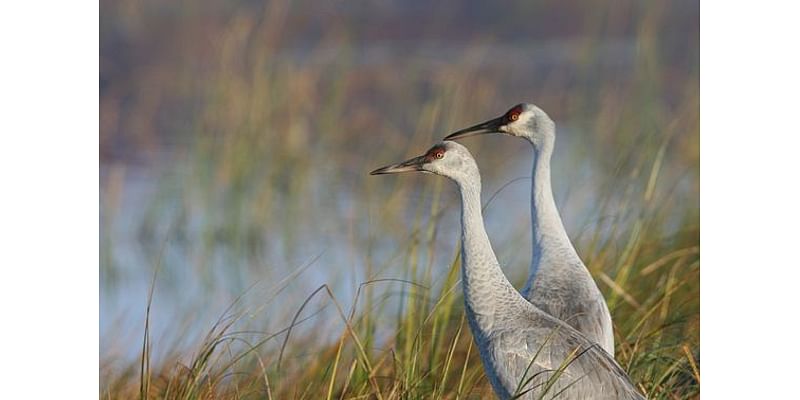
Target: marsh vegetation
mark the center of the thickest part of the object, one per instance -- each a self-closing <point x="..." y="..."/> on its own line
<point x="246" y="253"/>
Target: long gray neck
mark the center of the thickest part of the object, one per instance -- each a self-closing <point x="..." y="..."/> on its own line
<point x="550" y="239"/>
<point x="483" y="281"/>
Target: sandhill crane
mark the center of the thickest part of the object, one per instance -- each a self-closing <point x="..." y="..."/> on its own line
<point x="521" y="347"/>
<point x="558" y="281"/>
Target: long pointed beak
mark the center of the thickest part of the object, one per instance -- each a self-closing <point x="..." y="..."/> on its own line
<point x="411" y="165"/>
<point x="483" y="128"/>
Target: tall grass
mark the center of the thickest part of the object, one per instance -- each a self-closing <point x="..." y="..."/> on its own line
<point x="266" y="149"/>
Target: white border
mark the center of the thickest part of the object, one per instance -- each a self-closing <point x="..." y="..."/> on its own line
<point x="749" y="199"/>
<point x="50" y="199"/>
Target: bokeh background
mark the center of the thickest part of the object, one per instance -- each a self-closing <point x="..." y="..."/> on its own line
<point x="236" y="139"/>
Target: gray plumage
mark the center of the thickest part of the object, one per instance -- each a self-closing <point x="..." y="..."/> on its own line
<point x="558" y="282"/>
<point x="512" y="335"/>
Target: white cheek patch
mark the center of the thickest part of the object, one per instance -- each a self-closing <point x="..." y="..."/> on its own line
<point x="524" y="118"/>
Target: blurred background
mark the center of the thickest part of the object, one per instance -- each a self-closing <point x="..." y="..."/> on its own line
<point x="236" y="139"/>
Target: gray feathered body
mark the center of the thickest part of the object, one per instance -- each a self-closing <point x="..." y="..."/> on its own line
<point x="529" y="354"/>
<point x="513" y="335"/>
<point x="563" y="288"/>
<point x="522" y="347"/>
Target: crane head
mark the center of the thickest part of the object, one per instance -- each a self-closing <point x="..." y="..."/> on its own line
<point x="446" y="158"/>
<point x="523" y="120"/>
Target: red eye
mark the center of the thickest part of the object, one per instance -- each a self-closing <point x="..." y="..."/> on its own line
<point x="436" y="152"/>
<point x="513" y="114"/>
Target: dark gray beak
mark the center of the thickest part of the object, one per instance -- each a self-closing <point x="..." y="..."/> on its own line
<point x="490" y="126"/>
<point x="414" y="164"/>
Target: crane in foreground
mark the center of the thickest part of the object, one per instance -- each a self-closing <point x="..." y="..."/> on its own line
<point x="558" y="281"/>
<point x="526" y="353"/>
